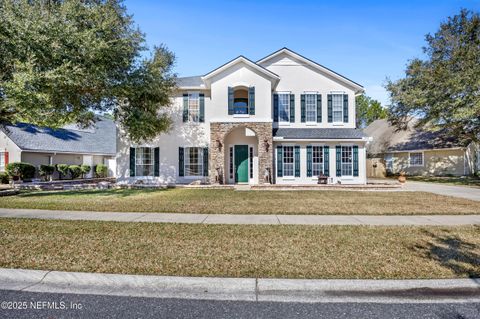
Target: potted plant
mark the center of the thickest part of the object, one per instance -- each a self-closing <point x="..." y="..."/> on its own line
<point x="402" y="178"/>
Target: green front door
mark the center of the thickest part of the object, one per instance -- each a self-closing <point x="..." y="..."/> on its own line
<point x="241" y="163"/>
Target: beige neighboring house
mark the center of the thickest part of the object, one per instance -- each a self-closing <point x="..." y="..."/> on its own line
<point x="71" y="145"/>
<point x="418" y="152"/>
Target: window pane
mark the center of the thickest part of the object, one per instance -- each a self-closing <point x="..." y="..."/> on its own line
<point x="284" y="107"/>
<point x="194" y="106"/>
<point x="311" y="107"/>
<point x="144" y="161"/>
<point x="193" y="161"/>
<point x="416" y="159"/>
<point x="337" y="107"/>
<point x="347" y="161"/>
<point x="288" y="161"/>
<point x="317" y="160"/>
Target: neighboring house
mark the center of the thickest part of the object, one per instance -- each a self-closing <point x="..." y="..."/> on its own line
<point x="28" y="143"/>
<point x="283" y="119"/>
<point x="418" y="151"/>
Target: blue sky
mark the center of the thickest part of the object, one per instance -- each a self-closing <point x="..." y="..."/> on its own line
<point x="367" y="41"/>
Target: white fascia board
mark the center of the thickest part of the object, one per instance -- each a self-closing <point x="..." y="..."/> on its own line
<point x="281" y="139"/>
<point x="429" y="149"/>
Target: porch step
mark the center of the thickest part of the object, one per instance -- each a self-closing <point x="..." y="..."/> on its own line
<point x="242" y="187"/>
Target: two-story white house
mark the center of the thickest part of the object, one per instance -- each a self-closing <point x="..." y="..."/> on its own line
<point x="283" y="119"/>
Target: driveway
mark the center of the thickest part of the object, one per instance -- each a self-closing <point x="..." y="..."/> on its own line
<point x="448" y="190"/>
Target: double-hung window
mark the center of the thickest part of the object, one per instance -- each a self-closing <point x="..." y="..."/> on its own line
<point x="337" y="108"/>
<point x="284" y="107"/>
<point x="347" y="161"/>
<point x="193" y="161"/>
<point x="317" y="160"/>
<point x="144" y="161"/>
<point x="194" y="106"/>
<point x="311" y="107"/>
<point x="288" y="161"/>
<point x="416" y="159"/>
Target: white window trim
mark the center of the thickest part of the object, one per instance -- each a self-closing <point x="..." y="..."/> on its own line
<point x="315" y="177"/>
<point x="286" y="123"/>
<point x="348" y="177"/>
<point x="337" y="123"/>
<point x="200" y="158"/>
<point x="198" y="105"/>
<point x="416" y="165"/>
<point x="288" y="177"/>
<point x="307" y="122"/>
<point x="152" y="155"/>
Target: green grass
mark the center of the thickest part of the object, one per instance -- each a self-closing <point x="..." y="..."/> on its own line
<point x="241" y="250"/>
<point x="246" y="202"/>
<point x="456" y="180"/>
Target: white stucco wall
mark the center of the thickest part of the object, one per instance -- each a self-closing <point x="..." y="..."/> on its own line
<point x="299" y="78"/>
<point x="6" y="145"/>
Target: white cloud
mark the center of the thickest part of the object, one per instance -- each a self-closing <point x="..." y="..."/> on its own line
<point x="378" y="93"/>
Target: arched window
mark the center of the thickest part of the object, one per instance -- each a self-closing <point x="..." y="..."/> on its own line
<point x="240" y="100"/>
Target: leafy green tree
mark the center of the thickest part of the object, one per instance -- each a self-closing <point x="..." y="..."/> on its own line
<point x="444" y="88"/>
<point x="368" y="110"/>
<point x="63" y="61"/>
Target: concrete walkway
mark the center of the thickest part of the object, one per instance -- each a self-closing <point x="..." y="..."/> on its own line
<point x="446" y="220"/>
<point x="448" y="190"/>
<point x="248" y="289"/>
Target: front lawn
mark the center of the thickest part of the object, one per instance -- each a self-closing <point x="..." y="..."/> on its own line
<point x="241" y="250"/>
<point x="245" y="202"/>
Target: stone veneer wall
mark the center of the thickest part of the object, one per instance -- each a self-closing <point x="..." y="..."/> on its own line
<point x="218" y="132"/>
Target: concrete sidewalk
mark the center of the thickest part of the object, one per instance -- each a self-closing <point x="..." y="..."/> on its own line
<point x="247" y="289"/>
<point x="423" y="220"/>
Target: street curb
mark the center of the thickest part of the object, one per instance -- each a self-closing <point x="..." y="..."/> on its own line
<point x="242" y="289"/>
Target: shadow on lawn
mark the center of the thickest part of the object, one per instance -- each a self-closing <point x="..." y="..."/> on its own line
<point x="97" y="192"/>
<point x="449" y="251"/>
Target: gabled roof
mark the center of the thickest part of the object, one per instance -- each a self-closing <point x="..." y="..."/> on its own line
<point x="241" y="59"/>
<point x="99" y="139"/>
<point x="386" y="138"/>
<point x="285" y="50"/>
<point x="319" y="133"/>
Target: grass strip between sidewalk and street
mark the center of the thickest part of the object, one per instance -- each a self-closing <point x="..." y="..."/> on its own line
<point x="363" y="252"/>
<point x="209" y="201"/>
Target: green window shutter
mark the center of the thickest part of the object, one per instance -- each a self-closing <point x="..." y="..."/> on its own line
<point x="156" y="161"/>
<point x="185" y="107"/>
<point x="202" y="108"/>
<point x="302" y="108"/>
<point x="230" y="100"/>
<point x="297" y="161"/>
<point x="338" y="158"/>
<point x="355" y="160"/>
<point x="345" y="108"/>
<point x="181" y="162"/>
<point x="251" y="100"/>
<point x="279" y="161"/>
<point x="319" y="108"/>
<point x="205" y="161"/>
<point x="292" y="108"/>
<point x="132" y="162"/>
<point x="330" y="108"/>
<point x="275" y="107"/>
<point x="326" y="160"/>
<point x="309" y="160"/>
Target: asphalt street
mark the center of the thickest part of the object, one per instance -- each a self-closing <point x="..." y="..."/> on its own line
<point x="51" y="305"/>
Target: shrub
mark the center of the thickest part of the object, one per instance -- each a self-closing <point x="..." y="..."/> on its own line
<point x="63" y="170"/>
<point x="46" y="171"/>
<point x="101" y="170"/>
<point x="20" y="170"/>
<point x="4" y="178"/>
<point x="85" y="170"/>
<point x="75" y="171"/>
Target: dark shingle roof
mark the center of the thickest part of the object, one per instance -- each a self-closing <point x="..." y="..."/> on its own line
<point x="99" y="139"/>
<point x="387" y="138"/>
<point x="190" y="81"/>
<point x="318" y="133"/>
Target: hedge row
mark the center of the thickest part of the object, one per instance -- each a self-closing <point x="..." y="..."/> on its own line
<point x="26" y="171"/>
